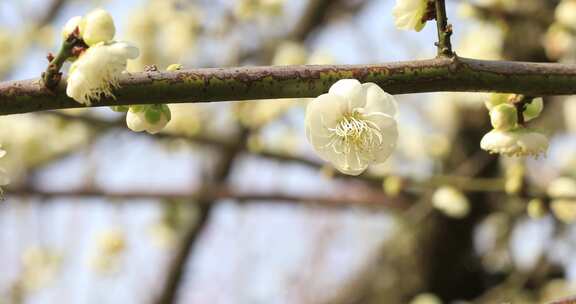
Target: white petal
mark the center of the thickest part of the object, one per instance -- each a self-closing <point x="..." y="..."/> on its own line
<point x="389" y="132"/>
<point x="351" y="90"/>
<point x="346" y="163"/>
<point x="125" y="49"/>
<point x="379" y="101"/>
<point x="322" y="113"/>
<point x="2" y="153"/>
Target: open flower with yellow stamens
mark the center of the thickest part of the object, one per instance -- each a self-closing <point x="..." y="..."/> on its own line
<point x="98" y="69"/>
<point x="353" y="125"/>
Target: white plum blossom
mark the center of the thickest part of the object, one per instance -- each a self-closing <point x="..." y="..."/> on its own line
<point x="149" y="118"/>
<point x="409" y="14"/>
<point x="353" y="125"/>
<point x="451" y="202"/>
<point x="97" y="70"/>
<point x="97" y="26"/>
<point x="516" y="142"/>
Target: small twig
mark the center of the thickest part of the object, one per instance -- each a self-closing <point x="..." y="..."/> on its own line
<point x="444" y="30"/>
<point x="70" y="45"/>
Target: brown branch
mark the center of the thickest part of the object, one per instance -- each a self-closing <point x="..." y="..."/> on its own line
<point x="370" y="199"/>
<point x="247" y="83"/>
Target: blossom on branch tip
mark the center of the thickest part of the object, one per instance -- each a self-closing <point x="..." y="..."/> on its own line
<point x="97" y="71"/>
<point x="149" y="118"/>
<point x="97" y="26"/>
<point x="353" y="125"/>
<point x="519" y="141"/>
<point x="410" y="14"/>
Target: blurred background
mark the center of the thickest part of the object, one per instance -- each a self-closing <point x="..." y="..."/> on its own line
<point x="229" y="204"/>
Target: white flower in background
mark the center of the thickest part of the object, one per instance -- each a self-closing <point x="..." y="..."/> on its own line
<point x="515" y="142"/>
<point x="111" y="246"/>
<point x="559" y="43"/>
<point x="566" y="13"/>
<point x="149" y="118"/>
<point x="562" y="191"/>
<point x="97" y="70"/>
<point x="320" y="56"/>
<point x="70" y="26"/>
<point x="569" y="107"/>
<point x="468" y="45"/>
<point x="40" y="267"/>
<point x="290" y="53"/>
<point x="409" y="14"/>
<point x="249" y="9"/>
<point x="451" y="202"/>
<point x="353" y="125"/>
<point x="97" y="26"/>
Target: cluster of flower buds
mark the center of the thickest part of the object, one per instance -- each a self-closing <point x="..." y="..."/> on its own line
<point x="510" y="137"/>
<point x="98" y="63"/>
<point x="98" y="60"/>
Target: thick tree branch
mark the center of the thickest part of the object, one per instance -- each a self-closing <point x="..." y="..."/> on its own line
<point x="245" y="83"/>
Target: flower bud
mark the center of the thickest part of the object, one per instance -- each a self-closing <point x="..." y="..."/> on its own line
<point x="70" y="26"/>
<point x="503" y="117"/>
<point x="533" y="109"/>
<point x="149" y="118"/>
<point x="97" y="26"/>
